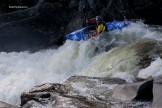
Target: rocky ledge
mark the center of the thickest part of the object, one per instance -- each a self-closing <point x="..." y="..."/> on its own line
<point x="95" y="92"/>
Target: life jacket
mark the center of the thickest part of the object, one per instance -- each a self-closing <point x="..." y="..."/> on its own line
<point x="101" y="27"/>
<point x="106" y="29"/>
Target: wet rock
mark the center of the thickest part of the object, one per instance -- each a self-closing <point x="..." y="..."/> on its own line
<point x="92" y="87"/>
<point x="77" y="92"/>
<point x="59" y="101"/>
<point x="126" y="92"/>
<point x="84" y="92"/>
<point x="94" y="92"/>
<point x="41" y="92"/>
<point x="59" y="88"/>
<point x="145" y="92"/>
<point x="157" y="94"/>
<point x="6" y="105"/>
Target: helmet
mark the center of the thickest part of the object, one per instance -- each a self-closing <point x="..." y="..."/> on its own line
<point x="98" y="18"/>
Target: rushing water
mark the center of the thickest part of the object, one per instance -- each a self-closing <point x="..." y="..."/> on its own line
<point x="19" y="72"/>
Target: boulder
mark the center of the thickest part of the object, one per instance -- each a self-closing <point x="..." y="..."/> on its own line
<point x="126" y="92"/>
<point x="84" y="92"/>
<point x="77" y="91"/>
<point x="94" y="92"/>
<point x="95" y="88"/>
<point x="145" y="92"/>
<point x="89" y="92"/>
<point x="157" y="94"/>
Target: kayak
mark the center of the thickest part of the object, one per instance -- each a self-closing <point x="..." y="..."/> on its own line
<point x="86" y="32"/>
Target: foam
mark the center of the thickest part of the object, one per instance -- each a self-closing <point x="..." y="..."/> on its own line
<point x="154" y="70"/>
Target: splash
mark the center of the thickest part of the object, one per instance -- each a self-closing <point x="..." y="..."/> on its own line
<point x="154" y="70"/>
<point x="19" y="72"/>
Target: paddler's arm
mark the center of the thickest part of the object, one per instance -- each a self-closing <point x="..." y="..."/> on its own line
<point x="91" y="20"/>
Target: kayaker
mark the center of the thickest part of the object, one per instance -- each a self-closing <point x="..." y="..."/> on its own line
<point x="100" y="25"/>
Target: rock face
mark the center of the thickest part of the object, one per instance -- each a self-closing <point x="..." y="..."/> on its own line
<point x="76" y="92"/>
<point x="157" y="86"/>
<point x="145" y="92"/>
<point x="127" y="91"/>
<point x="84" y="92"/>
<point x="46" y="22"/>
<point x="93" y="92"/>
<point x="33" y="29"/>
<point x="27" y="3"/>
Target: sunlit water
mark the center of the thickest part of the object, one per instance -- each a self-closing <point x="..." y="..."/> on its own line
<point x="19" y="72"/>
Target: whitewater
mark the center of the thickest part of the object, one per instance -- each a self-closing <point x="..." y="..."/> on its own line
<point x="19" y="72"/>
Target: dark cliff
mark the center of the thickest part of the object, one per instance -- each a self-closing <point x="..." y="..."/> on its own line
<point x="45" y="22"/>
